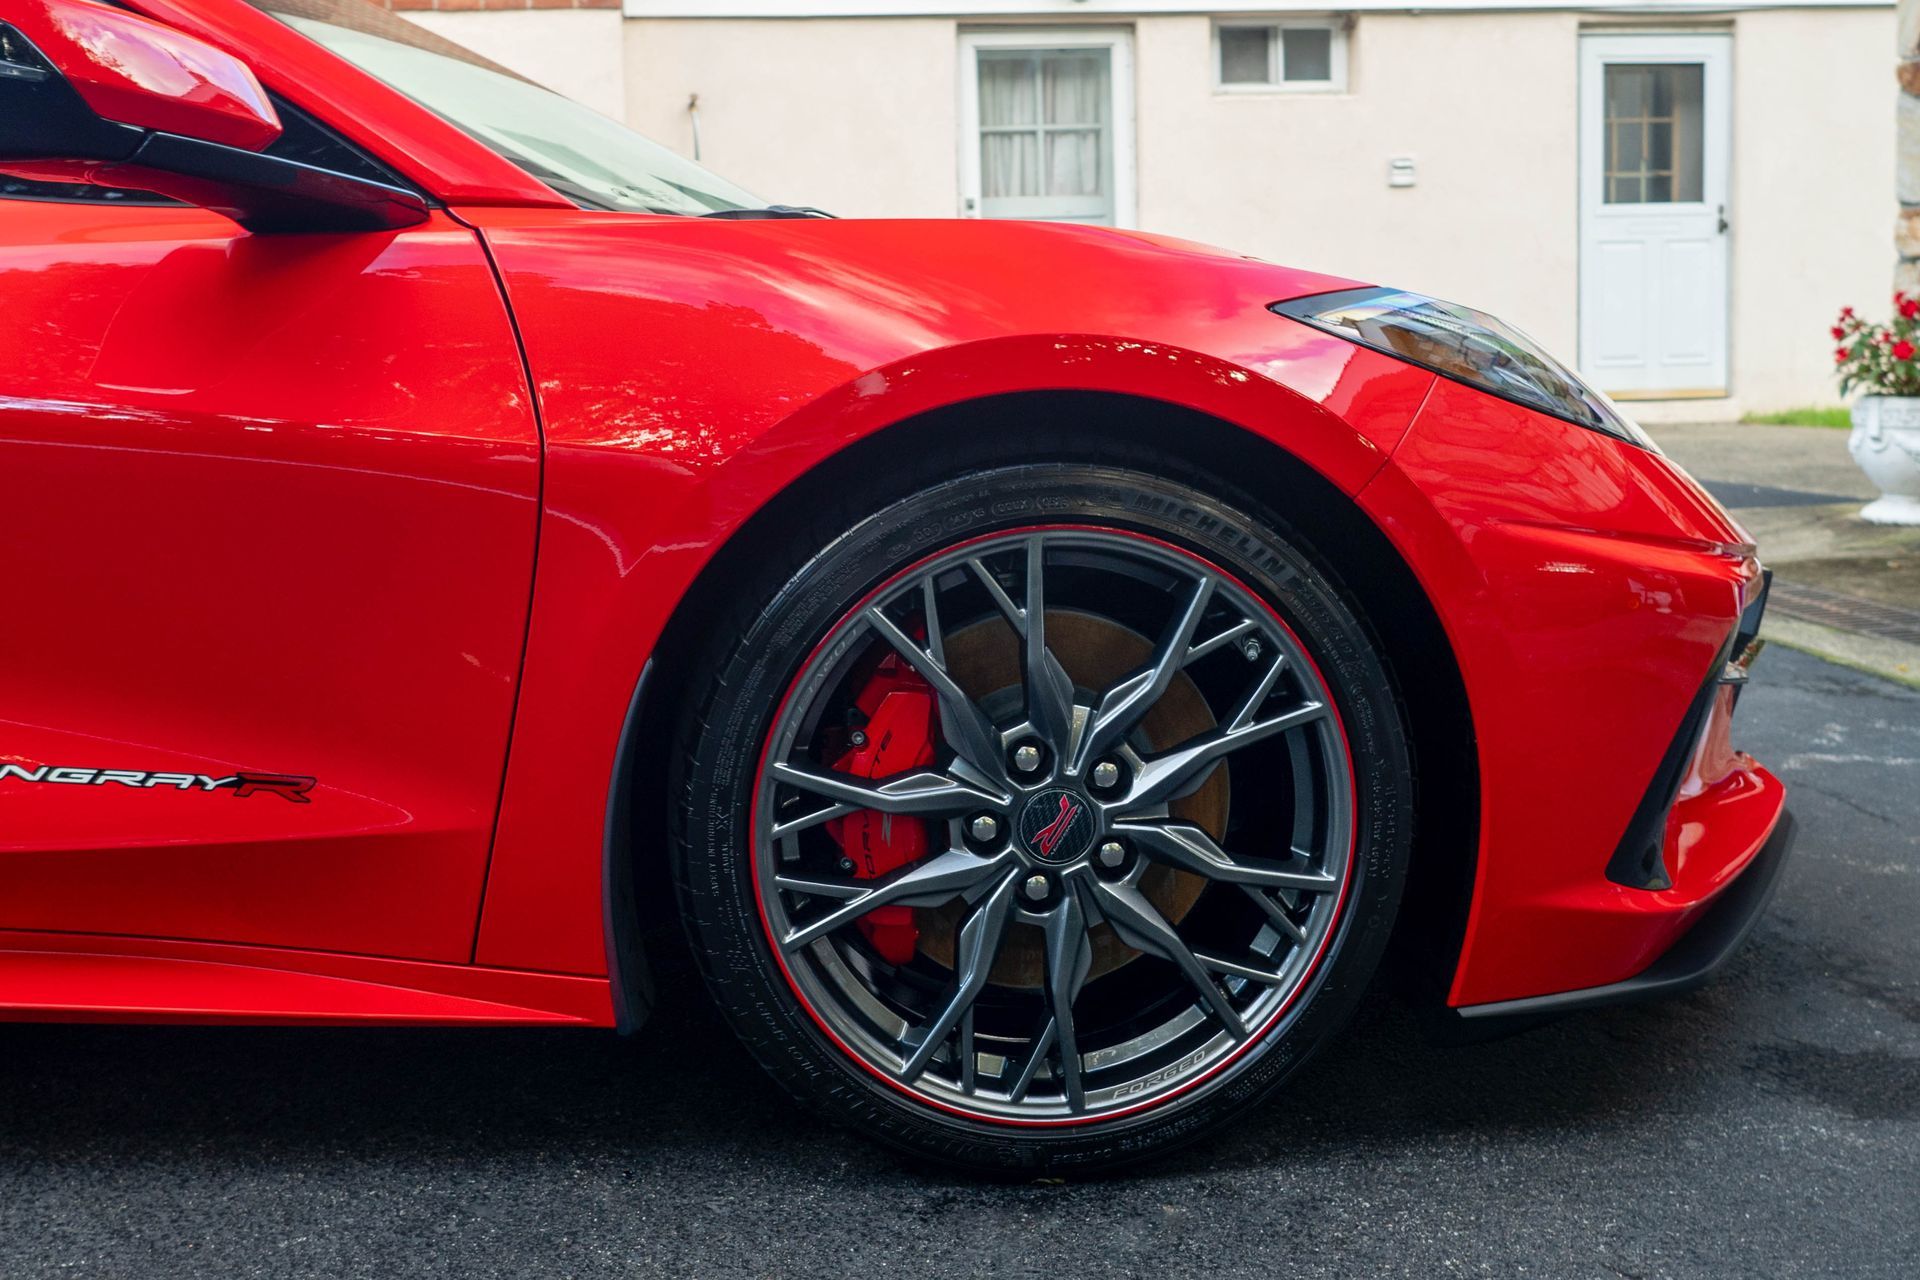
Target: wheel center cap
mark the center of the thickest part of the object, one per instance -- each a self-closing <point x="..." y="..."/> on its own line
<point x="1057" y="825"/>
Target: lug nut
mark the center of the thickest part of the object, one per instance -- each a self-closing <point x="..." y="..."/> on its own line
<point x="1112" y="854"/>
<point x="846" y="866"/>
<point x="984" y="827"/>
<point x="1106" y="774"/>
<point x="1026" y="757"/>
<point x="1251" y="648"/>
<point x="1035" y="888"/>
<point x="858" y="738"/>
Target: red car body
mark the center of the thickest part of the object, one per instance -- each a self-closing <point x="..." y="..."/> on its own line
<point x="390" y="524"/>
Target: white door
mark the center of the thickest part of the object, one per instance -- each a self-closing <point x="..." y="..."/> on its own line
<point x="1654" y="153"/>
<point x="1046" y="125"/>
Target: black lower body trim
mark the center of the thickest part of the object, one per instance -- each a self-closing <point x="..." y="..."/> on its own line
<point x="1699" y="953"/>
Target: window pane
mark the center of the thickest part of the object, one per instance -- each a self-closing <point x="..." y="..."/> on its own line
<point x="1627" y="157"/>
<point x="1244" y="55"/>
<point x="1074" y="88"/>
<point x="1008" y="93"/>
<point x="1662" y="86"/>
<point x="1009" y="165"/>
<point x="1660" y="150"/>
<point x="1073" y="163"/>
<point x="1308" y="53"/>
<point x="1627" y="92"/>
<point x="1654" y="131"/>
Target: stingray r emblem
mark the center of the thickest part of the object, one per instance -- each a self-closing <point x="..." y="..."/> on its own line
<point x="1049" y="836"/>
<point x="1056" y="826"/>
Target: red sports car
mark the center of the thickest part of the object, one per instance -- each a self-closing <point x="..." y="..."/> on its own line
<point x="1044" y="667"/>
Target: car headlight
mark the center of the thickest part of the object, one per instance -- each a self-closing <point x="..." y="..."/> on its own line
<point x="1466" y="345"/>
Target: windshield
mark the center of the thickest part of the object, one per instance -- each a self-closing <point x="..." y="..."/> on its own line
<point x="573" y="149"/>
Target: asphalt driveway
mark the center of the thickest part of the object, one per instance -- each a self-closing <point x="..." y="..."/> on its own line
<point x="1766" y="1126"/>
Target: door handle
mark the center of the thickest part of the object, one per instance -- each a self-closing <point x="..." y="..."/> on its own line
<point x="1722" y="214"/>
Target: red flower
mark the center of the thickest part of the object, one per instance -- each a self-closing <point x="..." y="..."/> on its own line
<point x="1838" y="333"/>
<point x="1846" y="313"/>
<point x="1840" y="356"/>
<point x="1903" y="350"/>
<point x="1910" y="308"/>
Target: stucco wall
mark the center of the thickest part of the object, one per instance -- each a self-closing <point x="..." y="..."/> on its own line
<point x="1483" y="104"/>
<point x="859" y="116"/>
<point x="576" y="51"/>
<point x="1813" y="193"/>
<point x="855" y="116"/>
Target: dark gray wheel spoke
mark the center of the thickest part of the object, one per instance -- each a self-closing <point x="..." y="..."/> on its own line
<point x="1256" y="696"/>
<point x="1246" y="626"/>
<point x="1069" y="957"/>
<point x="1251" y="967"/>
<point x="930" y="610"/>
<point x="1142" y="927"/>
<point x="1276" y="914"/>
<point x="820" y="887"/>
<point x="925" y="794"/>
<point x="1001" y="599"/>
<point x="1179" y="772"/>
<point x="1036" y="1058"/>
<point x="813" y="818"/>
<point x="963" y="724"/>
<point x="1123" y="706"/>
<point x="1183" y="845"/>
<point x="1049" y="691"/>
<point x="924" y="884"/>
<point x="975" y="950"/>
<point x="969" y="1057"/>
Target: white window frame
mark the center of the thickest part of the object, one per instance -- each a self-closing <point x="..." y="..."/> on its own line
<point x="1336" y="57"/>
<point x="1117" y="39"/>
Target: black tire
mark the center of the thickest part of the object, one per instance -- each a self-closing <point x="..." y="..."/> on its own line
<point x="786" y="609"/>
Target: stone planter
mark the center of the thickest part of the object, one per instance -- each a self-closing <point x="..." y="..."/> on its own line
<point x="1886" y="445"/>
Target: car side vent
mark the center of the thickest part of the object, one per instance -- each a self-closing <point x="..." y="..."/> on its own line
<point x="1640" y="861"/>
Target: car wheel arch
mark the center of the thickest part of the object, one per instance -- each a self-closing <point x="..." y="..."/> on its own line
<point x="1001" y="429"/>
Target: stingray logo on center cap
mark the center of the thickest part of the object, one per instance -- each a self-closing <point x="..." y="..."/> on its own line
<point x="1056" y="826"/>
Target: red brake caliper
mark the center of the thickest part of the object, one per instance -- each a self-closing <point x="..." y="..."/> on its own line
<point x="899" y="708"/>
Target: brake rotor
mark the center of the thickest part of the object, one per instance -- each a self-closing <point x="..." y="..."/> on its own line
<point x="984" y="659"/>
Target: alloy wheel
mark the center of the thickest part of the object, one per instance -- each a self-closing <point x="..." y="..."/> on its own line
<point x="1064" y="815"/>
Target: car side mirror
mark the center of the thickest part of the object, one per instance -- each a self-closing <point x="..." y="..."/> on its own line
<point x="95" y="94"/>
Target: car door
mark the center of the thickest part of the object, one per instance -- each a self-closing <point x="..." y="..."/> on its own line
<point x="267" y="517"/>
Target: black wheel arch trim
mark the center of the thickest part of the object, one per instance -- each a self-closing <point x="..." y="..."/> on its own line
<point x="629" y="976"/>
